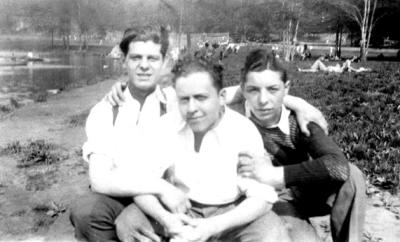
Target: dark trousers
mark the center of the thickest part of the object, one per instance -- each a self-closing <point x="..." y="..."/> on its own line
<point x="93" y="216"/>
<point x="345" y="203"/>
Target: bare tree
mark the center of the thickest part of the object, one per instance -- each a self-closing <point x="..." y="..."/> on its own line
<point x="363" y="13"/>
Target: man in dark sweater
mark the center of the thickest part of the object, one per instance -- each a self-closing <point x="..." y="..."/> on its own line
<point x="315" y="177"/>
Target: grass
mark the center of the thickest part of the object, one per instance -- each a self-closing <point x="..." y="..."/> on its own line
<point x="78" y="120"/>
<point x="37" y="152"/>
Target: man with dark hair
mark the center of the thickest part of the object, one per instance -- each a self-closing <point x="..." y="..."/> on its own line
<point x="114" y="135"/>
<point x="319" y="178"/>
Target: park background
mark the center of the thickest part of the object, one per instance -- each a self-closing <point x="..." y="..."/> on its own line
<point x="44" y="103"/>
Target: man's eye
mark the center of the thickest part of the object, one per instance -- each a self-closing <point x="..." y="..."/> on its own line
<point x="135" y="58"/>
<point x="183" y="100"/>
<point x="153" y="58"/>
<point x="201" y="98"/>
<point x="252" y="90"/>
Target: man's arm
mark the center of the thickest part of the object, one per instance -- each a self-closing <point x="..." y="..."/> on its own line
<point x="151" y="206"/>
<point x="305" y="112"/>
<point x="107" y="179"/>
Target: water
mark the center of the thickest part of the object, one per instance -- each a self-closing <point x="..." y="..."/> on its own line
<point x="56" y="73"/>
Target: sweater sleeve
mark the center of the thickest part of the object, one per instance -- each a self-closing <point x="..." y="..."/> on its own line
<point x="327" y="163"/>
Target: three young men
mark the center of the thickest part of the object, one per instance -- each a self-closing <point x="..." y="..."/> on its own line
<point x="118" y="167"/>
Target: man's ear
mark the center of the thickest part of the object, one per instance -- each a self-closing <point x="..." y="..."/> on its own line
<point x="222" y="96"/>
<point x="287" y="86"/>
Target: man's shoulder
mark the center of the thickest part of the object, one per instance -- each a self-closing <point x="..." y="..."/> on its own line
<point x="236" y="122"/>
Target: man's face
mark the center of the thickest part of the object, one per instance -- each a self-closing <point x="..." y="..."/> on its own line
<point x="264" y="92"/>
<point x="144" y="63"/>
<point x="199" y="101"/>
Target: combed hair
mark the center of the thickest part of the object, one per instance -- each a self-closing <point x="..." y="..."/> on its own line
<point x="157" y="34"/>
<point x="259" y="60"/>
<point x="189" y="64"/>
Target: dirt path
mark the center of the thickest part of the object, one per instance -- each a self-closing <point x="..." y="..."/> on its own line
<point x="34" y="201"/>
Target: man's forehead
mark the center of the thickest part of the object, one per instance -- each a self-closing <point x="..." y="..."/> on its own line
<point x="198" y="83"/>
<point x="144" y="47"/>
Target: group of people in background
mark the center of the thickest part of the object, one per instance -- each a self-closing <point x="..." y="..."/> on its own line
<point x="192" y="162"/>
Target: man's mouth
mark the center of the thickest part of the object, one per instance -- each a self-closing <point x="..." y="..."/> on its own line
<point x="193" y="119"/>
<point x="144" y="75"/>
<point x="264" y="110"/>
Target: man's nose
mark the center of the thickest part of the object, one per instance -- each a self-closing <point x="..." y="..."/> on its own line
<point x="144" y="64"/>
<point x="264" y="97"/>
<point x="191" y="107"/>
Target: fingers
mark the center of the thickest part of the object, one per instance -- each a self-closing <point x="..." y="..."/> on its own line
<point x="150" y="234"/>
<point x="246" y="174"/>
<point x="110" y="99"/>
<point x="304" y="129"/>
<point x="116" y="96"/>
<point x="187" y="220"/>
<point x="246" y="153"/>
<point x="325" y="126"/>
<point x="120" y="88"/>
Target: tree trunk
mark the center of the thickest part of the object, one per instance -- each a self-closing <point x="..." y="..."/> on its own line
<point x="52" y="38"/>
<point x="287" y="44"/>
<point x="339" y="54"/>
<point x="296" y="31"/>
<point x="188" y="42"/>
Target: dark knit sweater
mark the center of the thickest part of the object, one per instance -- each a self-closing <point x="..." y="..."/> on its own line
<point x="306" y="160"/>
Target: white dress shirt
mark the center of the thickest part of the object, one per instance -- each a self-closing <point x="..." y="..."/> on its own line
<point x="210" y="175"/>
<point x="120" y="141"/>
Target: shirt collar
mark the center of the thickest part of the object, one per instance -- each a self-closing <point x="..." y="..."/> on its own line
<point x="158" y="93"/>
<point x="283" y="123"/>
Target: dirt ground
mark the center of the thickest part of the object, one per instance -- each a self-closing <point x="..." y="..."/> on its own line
<point x="34" y="201"/>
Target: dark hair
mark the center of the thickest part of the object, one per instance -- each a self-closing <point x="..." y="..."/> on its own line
<point x="259" y="60"/>
<point x="189" y="64"/>
<point x="157" y="34"/>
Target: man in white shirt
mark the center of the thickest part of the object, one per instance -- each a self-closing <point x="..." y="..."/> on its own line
<point x="116" y="133"/>
<point x="201" y="145"/>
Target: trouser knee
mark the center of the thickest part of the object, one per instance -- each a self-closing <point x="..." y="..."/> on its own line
<point x="93" y="217"/>
<point x="356" y="181"/>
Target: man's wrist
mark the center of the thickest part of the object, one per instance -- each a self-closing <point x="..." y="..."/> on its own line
<point x="279" y="178"/>
<point x="164" y="188"/>
<point x="216" y="224"/>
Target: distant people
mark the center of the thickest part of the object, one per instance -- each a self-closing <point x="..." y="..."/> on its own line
<point x="306" y="54"/>
<point x="320" y="66"/>
<point x="205" y="52"/>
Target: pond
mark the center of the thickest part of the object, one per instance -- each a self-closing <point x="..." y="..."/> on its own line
<point x="52" y="73"/>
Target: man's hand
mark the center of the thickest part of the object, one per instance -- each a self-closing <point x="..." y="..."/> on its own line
<point x="174" y="200"/>
<point x="260" y="168"/>
<point x="309" y="114"/>
<point x="174" y="224"/>
<point x="116" y="96"/>
<point x="305" y="113"/>
<point x="132" y="225"/>
<point x="198" y="230"/>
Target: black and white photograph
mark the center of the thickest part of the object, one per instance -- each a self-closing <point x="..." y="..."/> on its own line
<point x="200" y="120"/>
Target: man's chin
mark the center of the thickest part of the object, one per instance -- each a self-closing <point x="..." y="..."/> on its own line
<point x="145" y="85"/>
